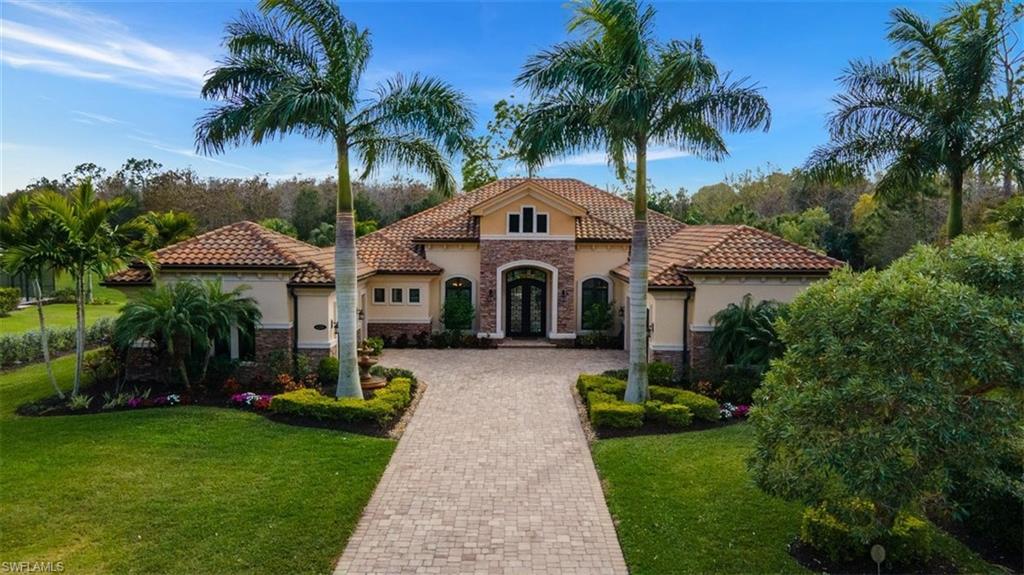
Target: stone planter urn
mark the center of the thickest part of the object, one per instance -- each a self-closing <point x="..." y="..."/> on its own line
<point x="365" y="361"/>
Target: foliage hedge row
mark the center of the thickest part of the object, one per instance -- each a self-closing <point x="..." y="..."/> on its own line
<point x="668" y="406"/>
<point x="9" y="298"/>
<point x="383" y="408"/>
<point x="26" y="347"/>
<point x="845" y="533"/>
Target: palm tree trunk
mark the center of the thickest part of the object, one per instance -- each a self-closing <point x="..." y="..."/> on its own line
<point x="345" y="281"/>
<point x="79" y="329"/>
<point x="955" y="220"/>
<point x="44" y="338"/>
<point x="636" y="388"/>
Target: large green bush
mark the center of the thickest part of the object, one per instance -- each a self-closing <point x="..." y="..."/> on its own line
<point x="894" y="382"/>
<point x="9" y="298"/>
<point x="844" y="532"/>
<point x="386" y="404"/>
<point x="26" y="348"/>
<point x="668" y="405"/>
<point x="702" y="407"/>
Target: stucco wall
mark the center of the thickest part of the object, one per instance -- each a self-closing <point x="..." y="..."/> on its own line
<point x="316" y="306"/>
<point x="269" y="289"/>
<point x="597" y="260"/>
<point x="457" y="260"/>
<point x="559" y="222"/>
<point x="715" y="293"/>
<point x="667" y="317"/>
<point x="399" y="313"/>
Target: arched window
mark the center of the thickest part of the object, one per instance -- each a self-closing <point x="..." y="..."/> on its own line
<point x="596" y="311"/>
<point x="458" y="304"/>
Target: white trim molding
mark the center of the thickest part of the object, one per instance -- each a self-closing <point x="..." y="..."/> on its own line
<point x="667" y="347"/>
<point x="527" y="237"/>
<point x="316" y="344"/>
<point x="561" y="336"/>
<point x="702" y="328"/>
<point x="392" y="320"/>
<point x="283" y="325"/>
<point x="500" y="292"/>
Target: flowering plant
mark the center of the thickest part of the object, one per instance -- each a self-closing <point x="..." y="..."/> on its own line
<point x="254" y="400"/>
<point x="729" y="411"/>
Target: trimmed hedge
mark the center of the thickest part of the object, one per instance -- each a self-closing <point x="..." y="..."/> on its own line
<point x="911" y="541"/>
<point x="668" y="406"/>
<point x="383" y="408"/>
<point x="26" y="347"/>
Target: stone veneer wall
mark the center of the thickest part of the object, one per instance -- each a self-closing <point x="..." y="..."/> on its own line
<point x="700" y="350"/>
<point x="316" y="354"/>
<point x="410" y="330"/>
<point x="674" y="358"/>
<point x="560" y="254"/>
<point x="270" y="340"/>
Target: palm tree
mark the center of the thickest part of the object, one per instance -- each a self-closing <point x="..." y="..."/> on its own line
<point x="322" y="235"/>
<point x="295" y="68"/>
<point x="166" y="228"/>
<point x="85" y="242"/>
<point x="745" y="333"/>
<point x="185" y="316"/>
<point x="26" y="247"/>
<point x="928" y="111"/>
<point x="618" y="88"/>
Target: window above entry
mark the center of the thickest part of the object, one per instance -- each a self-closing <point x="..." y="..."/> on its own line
<point x="527" y="221"/>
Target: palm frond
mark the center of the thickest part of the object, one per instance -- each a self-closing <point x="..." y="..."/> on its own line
<point x="406" y="150"/>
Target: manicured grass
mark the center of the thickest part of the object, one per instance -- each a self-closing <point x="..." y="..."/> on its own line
<point x="685" y="503"/>
<point x="176" y="490"/>
<point x="63" y="314"/>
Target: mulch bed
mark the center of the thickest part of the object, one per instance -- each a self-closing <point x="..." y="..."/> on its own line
<point x="818" y="562"/>
<point x="54" y="406"/>
<point x="989" y="549"/>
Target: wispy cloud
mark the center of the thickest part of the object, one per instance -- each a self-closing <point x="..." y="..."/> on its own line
<point x="187" y="153"/>
<point x="601" y="158"/>
<point x="74" y="42"/>
<point x="94" y="118"/>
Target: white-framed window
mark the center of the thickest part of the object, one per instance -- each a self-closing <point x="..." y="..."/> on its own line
<point x="527" y="221"/>
<point x="379" y="294"/>
<point x="414" y="295"/>
<point x="396" y="295"/>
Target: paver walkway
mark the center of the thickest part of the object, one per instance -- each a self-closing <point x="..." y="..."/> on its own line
<point x="493" y="473"/>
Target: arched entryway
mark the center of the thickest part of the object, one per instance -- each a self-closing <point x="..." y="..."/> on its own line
<point x="526" y="302"/>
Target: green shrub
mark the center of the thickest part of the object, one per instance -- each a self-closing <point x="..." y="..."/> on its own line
<point x="376" y="344"/>
<point x="589" y="382"/>
<point x="390" y="373"/>
<point x="26" y="347"/>
<point x="63" y="295"/>
<point x="615" y="414"/>
<point x="9" y="299"/>
<point x="327" y="371"/>
<point x="660" y="373"/>
<point x="846" y="531"/>
<point x="674" y="415"/>
<point x="386" y="404"/>
<point x="622" y="374"/>
<point x="700" y="406"/>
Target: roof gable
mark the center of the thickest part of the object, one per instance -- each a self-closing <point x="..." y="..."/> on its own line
<point x="528" y="189"/>
<point x="243" y="244"/>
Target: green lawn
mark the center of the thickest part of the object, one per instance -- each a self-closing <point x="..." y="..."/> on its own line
<point x="685" y="503"/>
<point x="63" y="314"/>
<point x="188" y="489"/>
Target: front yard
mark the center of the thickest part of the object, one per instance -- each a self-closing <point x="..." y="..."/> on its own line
<point x="61" y="315"/>
<point x="184" y="489"/>
<point x="685" y="503"/>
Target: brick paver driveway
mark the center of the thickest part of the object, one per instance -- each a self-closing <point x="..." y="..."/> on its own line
<point x="493" y="474"/>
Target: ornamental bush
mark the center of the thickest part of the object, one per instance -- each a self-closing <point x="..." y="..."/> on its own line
<point x="26" y="347"/>
<point x="383" y="408"/>
<point x="844" y="532"/>
<point x="660" y="373"/>
<point x="895" y="382"/>
<point x="668" y="406"/>
<point x="9" y="298"/>
<point x="610" y="413"/>
<point x="702" y="407"/>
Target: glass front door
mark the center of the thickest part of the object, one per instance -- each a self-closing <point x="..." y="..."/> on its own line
<point x="525" y="305"/>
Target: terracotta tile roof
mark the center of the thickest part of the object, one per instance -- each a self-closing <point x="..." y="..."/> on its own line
<point x="243" y="244"/>
<point x="130" y="276"/>
<point x="726" y="249"/>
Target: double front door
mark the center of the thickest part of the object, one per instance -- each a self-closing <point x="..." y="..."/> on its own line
<point x="526" y="302"/>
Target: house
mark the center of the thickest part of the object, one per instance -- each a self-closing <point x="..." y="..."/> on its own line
<point x="529" y="254"/>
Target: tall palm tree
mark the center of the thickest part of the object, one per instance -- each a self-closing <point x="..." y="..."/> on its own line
<point x="928" y="111"/>
<point x="86" y="241"/>
<point x="26" y="248"/>
<point x="618" y="88"/>
<point x="295" y="68"/>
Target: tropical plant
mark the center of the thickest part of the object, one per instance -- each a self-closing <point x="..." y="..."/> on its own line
<point x="365" y="227"/>
<point x="895" y="384"/>
<point x="322" y="235"/>
<point x="185" y="319"/>
<point x="166" y="228"/>
<point x="86" y="242"/>
<point x="745" y="334"/>
<point x="1008" y="217"/>
<point x="928" y="111"/>
<point x="26" y="242"/>
<point x="295" y="68"/>
<point x="281" y="226"/>
<point x="618" y="88"/>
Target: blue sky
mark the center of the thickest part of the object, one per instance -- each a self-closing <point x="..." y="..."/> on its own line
<point x="101" y="82"/>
